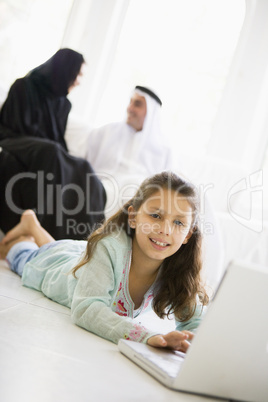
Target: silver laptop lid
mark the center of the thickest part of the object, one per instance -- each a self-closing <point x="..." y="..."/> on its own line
<point x="229" y="356"/>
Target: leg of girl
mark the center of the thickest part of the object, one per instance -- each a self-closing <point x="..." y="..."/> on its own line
<point x="29" y="226"/>
<point x="23" y="241"/>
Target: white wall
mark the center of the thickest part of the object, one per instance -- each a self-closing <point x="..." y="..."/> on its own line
<point x="94" y="28"/>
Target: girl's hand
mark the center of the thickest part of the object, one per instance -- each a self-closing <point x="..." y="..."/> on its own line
<point x="176" y="340"/>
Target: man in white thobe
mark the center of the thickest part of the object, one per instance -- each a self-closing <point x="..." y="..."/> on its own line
<point x="125" y="153"/>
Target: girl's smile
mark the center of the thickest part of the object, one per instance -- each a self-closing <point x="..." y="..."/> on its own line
<point x="159" y="244"/>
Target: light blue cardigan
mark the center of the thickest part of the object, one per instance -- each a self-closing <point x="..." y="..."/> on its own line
<point x="99" y="298"/>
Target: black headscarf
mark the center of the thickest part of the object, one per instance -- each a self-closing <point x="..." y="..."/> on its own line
<point x="36" y="104"/>
<point x="58" y="73"/>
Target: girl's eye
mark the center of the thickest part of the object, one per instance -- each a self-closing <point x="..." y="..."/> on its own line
<point x="156" y="216"/>
<point x="178" y="223"/>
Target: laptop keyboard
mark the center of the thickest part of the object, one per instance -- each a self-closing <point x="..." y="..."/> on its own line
<point x="168" y="363"/>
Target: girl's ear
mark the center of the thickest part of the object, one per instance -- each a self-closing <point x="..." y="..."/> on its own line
<point x="187" y="237"/>
<point x="131" y="217"/>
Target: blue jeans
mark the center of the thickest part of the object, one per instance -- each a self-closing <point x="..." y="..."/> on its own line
<point x="23" y="252"/>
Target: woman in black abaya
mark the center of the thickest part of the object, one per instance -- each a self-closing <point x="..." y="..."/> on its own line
<point x="36" y="169"/>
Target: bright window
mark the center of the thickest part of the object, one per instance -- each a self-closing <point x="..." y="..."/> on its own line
<point x="30" y="32"/>
<point x="182" y="50"/>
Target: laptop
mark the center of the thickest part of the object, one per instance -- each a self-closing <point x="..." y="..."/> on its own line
<point x="228" y="357"/>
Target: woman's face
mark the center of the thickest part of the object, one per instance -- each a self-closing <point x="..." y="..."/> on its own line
<point x="78" y="79"/>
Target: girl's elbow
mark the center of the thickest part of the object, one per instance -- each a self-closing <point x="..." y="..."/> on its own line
<point x="74" y="317"/>
<point x="76" y="314"/>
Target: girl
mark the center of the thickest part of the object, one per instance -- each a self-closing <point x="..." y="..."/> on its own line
<point x="150" y="251"/>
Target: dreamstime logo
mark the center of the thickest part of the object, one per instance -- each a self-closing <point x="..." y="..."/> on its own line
<point x="245" y="201"/>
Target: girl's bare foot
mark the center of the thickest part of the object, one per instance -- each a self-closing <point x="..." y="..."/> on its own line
<point x="28" y="226"/>
<point x="4" y="248"/>
<point x="28" y="222"/>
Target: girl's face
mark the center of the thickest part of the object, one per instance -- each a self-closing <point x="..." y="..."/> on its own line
<point x="162" y="225"/>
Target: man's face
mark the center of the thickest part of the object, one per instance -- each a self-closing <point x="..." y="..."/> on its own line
<point x="136" y="112"/>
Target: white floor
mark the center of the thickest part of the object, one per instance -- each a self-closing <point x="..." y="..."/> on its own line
<point x="46" y="358"/>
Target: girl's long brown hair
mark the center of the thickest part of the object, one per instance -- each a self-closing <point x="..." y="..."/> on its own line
<point x="178" y="287"/>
